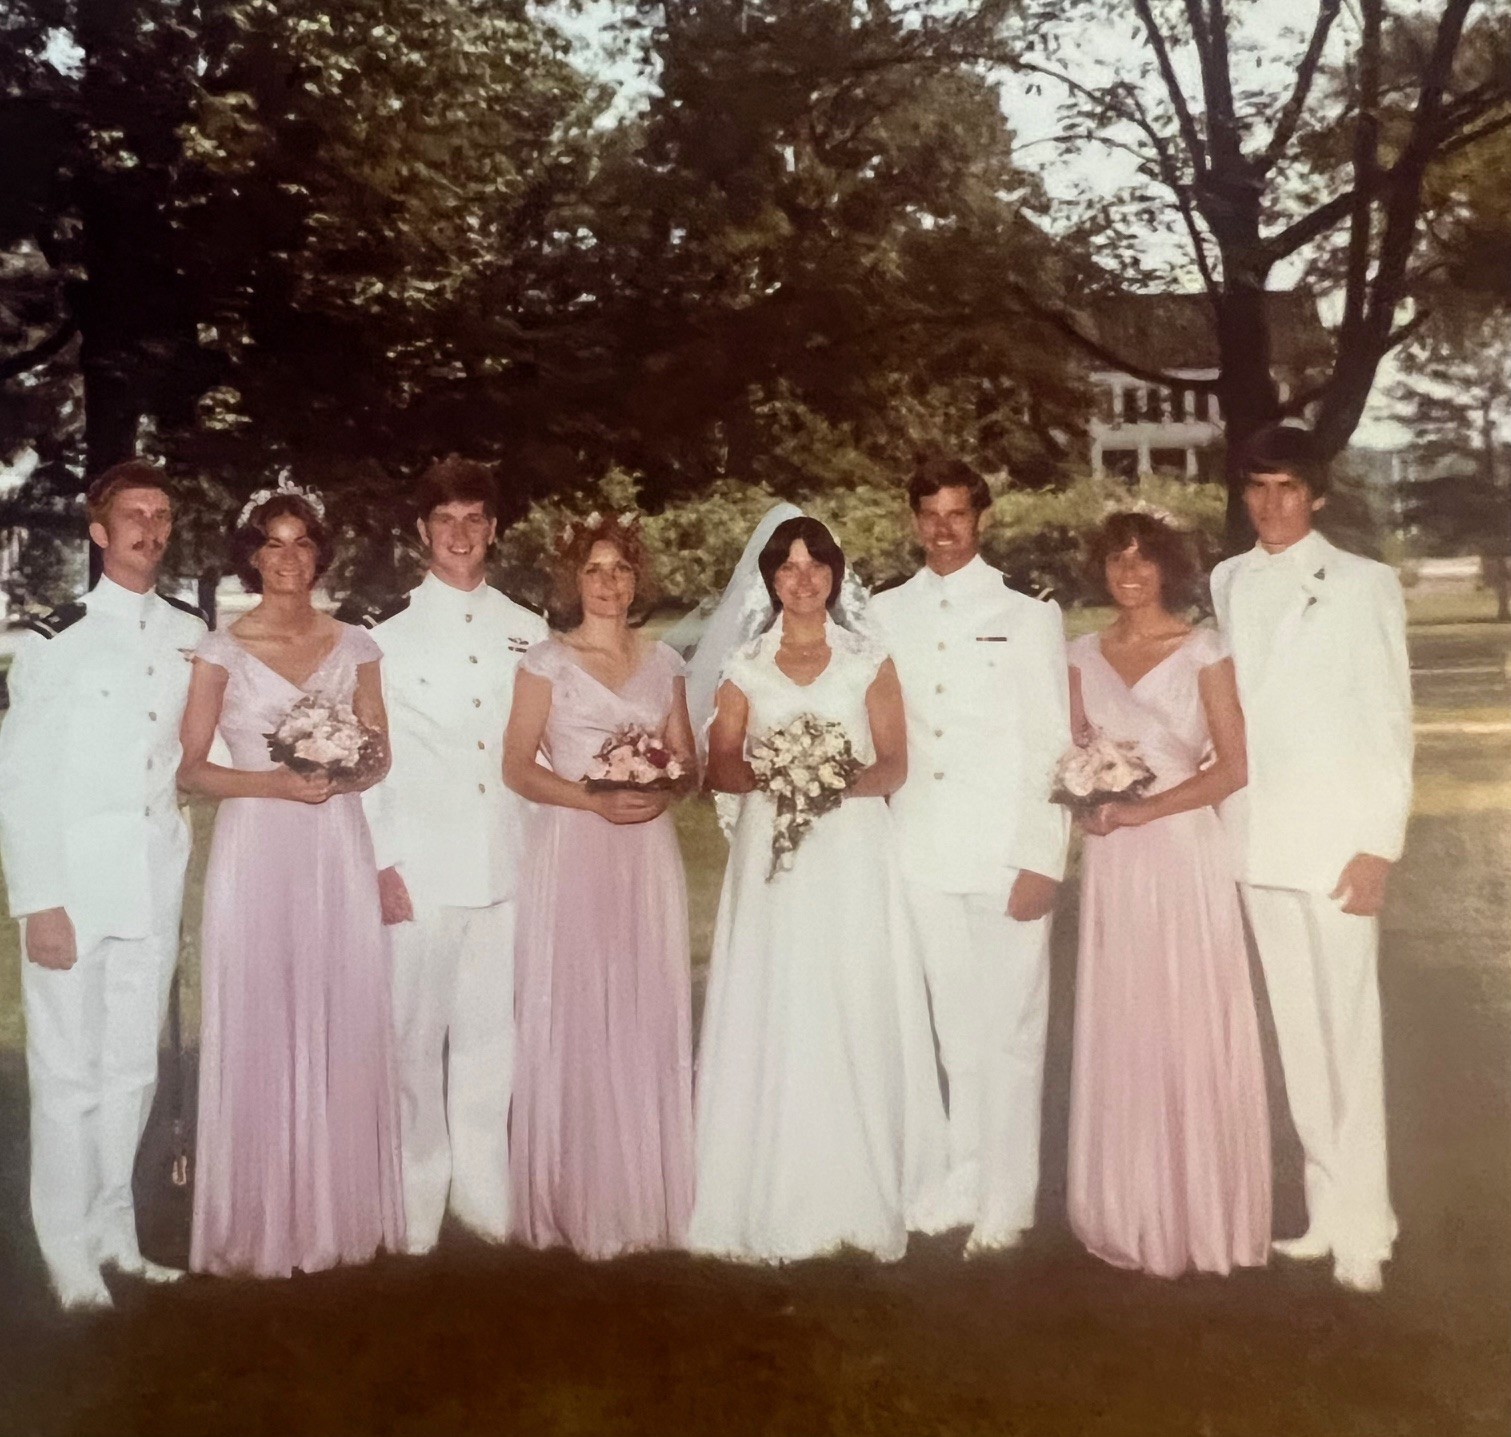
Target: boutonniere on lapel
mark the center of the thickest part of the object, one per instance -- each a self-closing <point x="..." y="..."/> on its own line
<point x="1312" y="588"/>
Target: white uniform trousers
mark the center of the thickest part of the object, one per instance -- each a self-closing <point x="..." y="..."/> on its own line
<point x="453" y="993"/>
<point x="988" y="979"/>
<point x="91" y="1062"/>
<point x="1320" y="967"/>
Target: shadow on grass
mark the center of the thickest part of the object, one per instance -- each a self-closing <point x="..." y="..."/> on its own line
<point x="480" y="1339"/>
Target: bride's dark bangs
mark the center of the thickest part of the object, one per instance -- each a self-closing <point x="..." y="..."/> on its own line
<point x="819" y="542"/>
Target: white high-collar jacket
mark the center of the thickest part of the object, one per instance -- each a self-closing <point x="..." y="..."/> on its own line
<point x="1318" y="637"/>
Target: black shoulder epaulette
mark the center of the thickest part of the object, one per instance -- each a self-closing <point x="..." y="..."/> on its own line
<point x="370" y="615"/>
<point x="896" y="581"/>
<point x="185" y="607"/>
<point x="51" y="624"/>
<point x="539" y="610"/>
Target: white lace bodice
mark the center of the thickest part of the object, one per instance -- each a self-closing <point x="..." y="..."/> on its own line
<point x="838" y="693"/>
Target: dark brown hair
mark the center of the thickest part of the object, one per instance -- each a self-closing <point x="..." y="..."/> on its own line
<point x="130" y="474"/>
<point x="1286" y="449"/>
<point x="249" y="537"/>
<point x="1158" y="541"/>
<point x="572" y="553"/>
<point x="819" y="542"/>
<point x="940" y="471"/>
<point x="455" y="480"/>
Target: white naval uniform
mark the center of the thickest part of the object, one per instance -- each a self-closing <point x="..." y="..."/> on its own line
<point x="986" y="691"/>
<point x="1319" y="647"/>
<point x="445" y="820"/>
<point x="89" y="822"/>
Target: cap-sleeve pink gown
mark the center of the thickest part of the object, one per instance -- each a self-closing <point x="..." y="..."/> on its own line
<point x="600" y="1138"/>
<point x="297" y="1162"/>
<point x="1169" y="1130"/>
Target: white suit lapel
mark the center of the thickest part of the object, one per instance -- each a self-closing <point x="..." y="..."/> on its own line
<point x="1310" y="590"/>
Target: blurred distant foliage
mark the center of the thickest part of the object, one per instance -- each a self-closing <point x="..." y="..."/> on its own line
<point x="1455" y="397"/>
<point x="1036" y="537"/>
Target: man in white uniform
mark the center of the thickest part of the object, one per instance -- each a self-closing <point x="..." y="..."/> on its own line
<point x="95" y="849"/>
<point x="1319" y="644"/>
<point x="447" y="835"/>
<point x="985" y="687"/>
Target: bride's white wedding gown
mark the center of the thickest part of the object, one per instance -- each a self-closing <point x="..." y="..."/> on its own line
<point x="819" y="1120"/>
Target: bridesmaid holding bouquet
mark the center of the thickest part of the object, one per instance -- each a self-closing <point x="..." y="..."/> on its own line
<point x="601" y="1126"/>
<point x="1169" y="1132"/>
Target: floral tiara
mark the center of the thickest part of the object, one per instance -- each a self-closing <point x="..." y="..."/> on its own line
<point x="627" y="524"/>
<point x="1143" y="506"/>
<point x="285" y="488"/>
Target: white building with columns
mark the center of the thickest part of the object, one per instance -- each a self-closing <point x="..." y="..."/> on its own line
<point x="1175" y="428"/>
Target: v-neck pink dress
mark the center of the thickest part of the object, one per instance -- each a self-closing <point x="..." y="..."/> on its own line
<point x="600" y="1135"/>
<point x="1169" y="1130"/>
<point x="297" y="1161"/>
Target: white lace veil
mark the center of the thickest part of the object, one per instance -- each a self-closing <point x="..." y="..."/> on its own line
<point x="743" y="610"/>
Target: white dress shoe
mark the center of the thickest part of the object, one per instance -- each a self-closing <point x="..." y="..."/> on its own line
<point x="979" y="1245"/>
<point x="83" y="1292"/>
<point x="1358" y="1274"/>
<point x="1311" y="1246"/>
<point x="135" y="1265"/>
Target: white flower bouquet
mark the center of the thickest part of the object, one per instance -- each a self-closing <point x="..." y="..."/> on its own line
<point x="632" y="759"/>
<point x="321" y="736"/>
<point x="1099" y="771"/>
<point x="805" y="766"/>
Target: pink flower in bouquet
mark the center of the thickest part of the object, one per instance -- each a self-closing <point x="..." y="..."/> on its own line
<point x="633" y="758"/>
<point x="1098" y="771"/>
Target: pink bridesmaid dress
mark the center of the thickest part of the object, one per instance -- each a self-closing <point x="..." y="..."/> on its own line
<point x="600" y="1137"/>
<point x="1169" y="1130"/>
<point x="297" y="1163"/>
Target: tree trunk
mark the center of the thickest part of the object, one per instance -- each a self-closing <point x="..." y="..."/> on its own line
<point x="1246" y="387"/>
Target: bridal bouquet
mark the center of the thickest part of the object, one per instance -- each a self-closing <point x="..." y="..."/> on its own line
<point x="805" y="766"/>
<point x="1099" y="771"/>
<point x="320" y="736"/>
<point x="631" y="758"/>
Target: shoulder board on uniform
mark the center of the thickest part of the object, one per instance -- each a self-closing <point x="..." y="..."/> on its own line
<point x="368" y="615"/>
<point x="185" y="607"/>
<point x="895" y="582"/>
<point x="52" y="623"/>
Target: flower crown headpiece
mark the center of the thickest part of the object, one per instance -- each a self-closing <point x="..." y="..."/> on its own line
<point x="284" y="487"/>
<point x="1143" y="506"/>
<point x="627" y="524"/>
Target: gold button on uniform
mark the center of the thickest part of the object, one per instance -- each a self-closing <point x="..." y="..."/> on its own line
<point x="938" y="774"/>
<point x="467" y="618"/>
<point x="481" y="744"/>
<point x="482" y="788"/>
<point x="471" y="658"/>
<point x="938" y="688"/>
<point x="152" y="716"/>
<point x="938" y="733"/>
<point x="477" y="703"/>
<point x="149" y="671"/>
<point x="941" y="645"/>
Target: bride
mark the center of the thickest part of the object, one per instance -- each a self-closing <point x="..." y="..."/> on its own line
<point x="819" y="1117"/>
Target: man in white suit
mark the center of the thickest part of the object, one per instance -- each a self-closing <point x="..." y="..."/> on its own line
<point x="986" y="696"/>
<point x="95" y="849"/>
<point x="1319" y="644"/>
<point x="447" y="835"/>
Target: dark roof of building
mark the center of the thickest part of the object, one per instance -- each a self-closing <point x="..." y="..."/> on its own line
<point x="1178" y="331"/>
